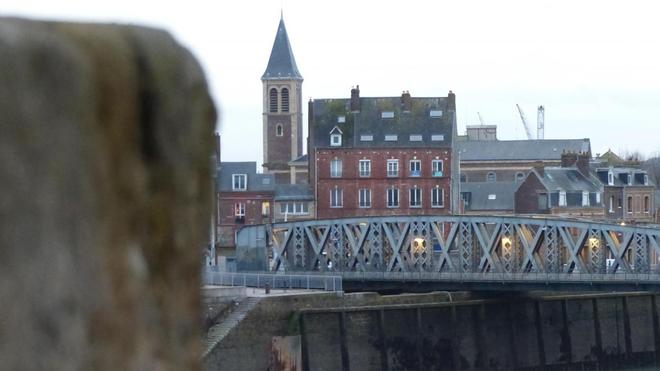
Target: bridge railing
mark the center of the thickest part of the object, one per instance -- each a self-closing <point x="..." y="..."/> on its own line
<point x="274" y="280"/>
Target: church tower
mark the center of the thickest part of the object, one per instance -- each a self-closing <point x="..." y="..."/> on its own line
<point x="282" y="108"/>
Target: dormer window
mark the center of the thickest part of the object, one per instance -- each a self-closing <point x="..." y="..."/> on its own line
<point x="341" y="119"/>
<point x="562" y="198"/>
<point x="335" y="137"/>
<point x="646" y="179"/>
<point x="435" y="113"/>
<point x="387" y="114"/>
<point x="630" y="179"/>
<point x="610" y="178"/>
<point x="239" y="182"/>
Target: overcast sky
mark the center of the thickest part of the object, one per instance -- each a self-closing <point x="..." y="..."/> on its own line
<point x="594" y="65"/>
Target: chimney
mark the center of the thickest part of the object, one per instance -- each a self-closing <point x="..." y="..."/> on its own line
<point x="539" y="167"/>
<point x="406" y="101"/>
<point x="582" y="163"/>
<point x="568" y="158"/>
<point x="451" y="102"/>
<point x="355" y="99"/>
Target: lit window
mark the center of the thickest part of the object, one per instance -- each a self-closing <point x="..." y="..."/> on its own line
<point x="415" y="197"/>
<point x="239" y="182"/>
<point x="336" y="197"/>
<point x="364" y="197"/>
<point x="435" y="113"/>
<point x="437" y="167"/>
<point x="392" y="168"/>
<point x="391" y="138"/>
<point x="239" y="210"/>
<point x="279" y="131"/>
<point x="437" y="197"/>
<point x="437" y="138"/>
<point x="562" y="198"/>
<point x="491" y="177"/>
<point x="387" y="115"/>
<point x="335" y="168"/>
<point x="365" y="168"/>
<point x="285" y="100"/>
<point x="392" y="197"/>
<point x="585" y="198"/>
<point x="415" y="167"/>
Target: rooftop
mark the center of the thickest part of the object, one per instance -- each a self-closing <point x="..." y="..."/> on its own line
<point x="282" y="64"/>
<point x="534" y="149"/>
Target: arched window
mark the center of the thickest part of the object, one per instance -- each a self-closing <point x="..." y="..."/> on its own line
<point x="273" y="100"/>
<point x="491" y="177"/>
<point x="519" y="177"/>
<point x="278" y="130"/>
<point x="285" y="100"/>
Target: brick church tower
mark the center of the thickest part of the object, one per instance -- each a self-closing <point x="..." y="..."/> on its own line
<point x="282" y="109"/>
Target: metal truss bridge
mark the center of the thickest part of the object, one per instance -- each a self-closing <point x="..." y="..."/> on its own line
<point x="459" y="252"/>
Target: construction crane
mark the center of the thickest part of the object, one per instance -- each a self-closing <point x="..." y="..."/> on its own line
<point x="524" y="121"/>
<point x="540" y="123"/>
<point x="480" y="119"/>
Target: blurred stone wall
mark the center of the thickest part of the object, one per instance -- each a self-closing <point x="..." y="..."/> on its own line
<point x="105" y="137"/>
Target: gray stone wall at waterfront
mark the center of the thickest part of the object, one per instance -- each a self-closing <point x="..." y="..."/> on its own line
<point x="105" y="137"/>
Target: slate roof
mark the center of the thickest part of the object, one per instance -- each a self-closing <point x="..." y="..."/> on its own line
<point x="302" y="160"/>
<point x="293" y="192"/>
<point x="621" y="176"/>
<point x="503" y="191"/>
<point x="368" y="122"/>
<point x="255" y="182"/>
<point x="534" y="149"/>
<point x="568" y="179"/>
<point x="282" y="64"/>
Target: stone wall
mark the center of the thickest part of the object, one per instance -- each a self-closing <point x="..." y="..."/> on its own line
<point x="106" y="134"/>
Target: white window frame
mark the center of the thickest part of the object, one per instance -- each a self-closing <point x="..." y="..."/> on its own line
<point x="236" y="178"/>
<point x="434" y="168"/>
<point x="438" y="197"/>
<point x="336" y="168"/>
<point x="391" y="137"/>
<point x="341" y="119"/>
<point x="562" y="198"/>
<point x="418" y="168"/>
<point x="393" y="168"/>
<point x="239" y="210"/>
<point x="335" y="140"/>
<point x="597" y="197"/>
<point x="416" y="138"/>
<point x="364" y="168"/>
<point x="437" y="137"/>
<point x="415" y="197"/>
<point x="336" y="195"/>
<point x="610" y="178"/>
<point x="364" y="198"/>
<point x="611" y="204"/>
<point x="392" y="196"/>
<point x="585" y="198"/>
<point x="294" y="208"/>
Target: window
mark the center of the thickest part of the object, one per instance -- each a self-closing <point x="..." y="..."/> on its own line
<point x="490" y="177"/>
<point x="415" y="138"/>
<point x="279" y="131"/>
<point x="335" y="168"/>
<point x="294" y="208"/>
<point x="630" y="179"/>
<point x="393" y="197"/>
<point x="393" y="167"/>
<point x="391" y="138"/>
<point x="335" y="140"/>
<point x="562" y="198"/>
<point x="239" y="210"/>
<point x="646" y="179"/>
<point x="435" y="113"/>
<point x="463" y="178"/>
<point x="285" y="100"/>
<point x="273" y="100"/>
<point x="597" y="197"/>
<point x="239" y="182"/>
<point x="387" y="115"/>
<point x="519" y="177"/>
<point x="647" y="205"/>
<point x="341" y="119"/>
<point x="437" y="197"/>
<point x="364" y="199"/>
<point x="415" y="167"/>
<point x="543" y="201"/>
<point x="629" y="205"/>
<point x="415" y="197"/>
<point x="437" y="138"/>
<point x="365" y="168"/>
<point x="336" y="197"/>
<point x="265" y="209"/>
<point x="437" y="167"/>
<point x="492" y="196"/>
<point x="366" y="138"/>
<point x="611" y="204"/>
<point x="610" y="178"/>
<point x="585" y="198"/>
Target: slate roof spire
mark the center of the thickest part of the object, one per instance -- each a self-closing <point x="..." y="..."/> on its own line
<point x="282" y="64"/>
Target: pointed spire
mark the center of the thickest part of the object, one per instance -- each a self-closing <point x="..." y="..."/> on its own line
<point x="282" y="64"/>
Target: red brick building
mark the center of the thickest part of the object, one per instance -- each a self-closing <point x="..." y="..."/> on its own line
<point x="382" y="156"/>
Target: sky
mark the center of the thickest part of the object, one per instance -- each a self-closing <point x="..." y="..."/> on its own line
<point x="594" y="65"/>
